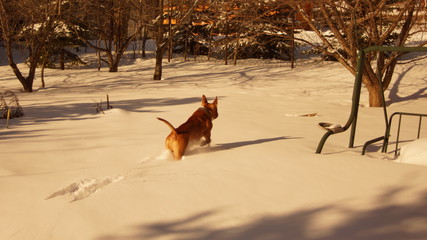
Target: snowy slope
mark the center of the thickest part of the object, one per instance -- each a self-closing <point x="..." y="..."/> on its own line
<point x="69" y="173"/>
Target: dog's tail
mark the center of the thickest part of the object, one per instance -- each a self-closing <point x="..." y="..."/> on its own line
<point x="169" y="125"/>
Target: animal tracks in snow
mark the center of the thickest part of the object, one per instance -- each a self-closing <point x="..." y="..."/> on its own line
<point x="84" y="188"/>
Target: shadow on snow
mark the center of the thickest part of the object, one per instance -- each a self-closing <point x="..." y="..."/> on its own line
<point x="41" y="114"/>
<point x="387" y="220"/>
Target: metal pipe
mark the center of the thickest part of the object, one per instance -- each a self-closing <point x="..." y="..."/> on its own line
<point x="356" y="98"/>
<point x="352" y="120"/>
<point x="398" y="134"/>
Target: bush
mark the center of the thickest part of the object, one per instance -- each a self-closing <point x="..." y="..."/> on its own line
<point x="9" y="101"/>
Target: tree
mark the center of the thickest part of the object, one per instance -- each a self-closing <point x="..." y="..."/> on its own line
<point x="108" y="21"/>
<point x="257" y="28"/>
<point x="26" y="23"/>
<point x="55" y="49"/>
<point x="264" y="29"/>
<point x="359" y="24"/>
<point x="160" y="38"/>
<point x="159" y="23"/>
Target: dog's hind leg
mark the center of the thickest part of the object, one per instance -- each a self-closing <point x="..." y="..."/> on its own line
<point x="178" y="148"/>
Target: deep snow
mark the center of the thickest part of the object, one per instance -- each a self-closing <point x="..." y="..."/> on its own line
<point x="69" y="173"/>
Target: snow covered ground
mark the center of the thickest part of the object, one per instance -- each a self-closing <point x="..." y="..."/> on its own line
<point x="69" y="173"/>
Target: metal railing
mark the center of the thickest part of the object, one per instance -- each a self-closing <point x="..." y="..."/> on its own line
<point x="352" y="120"/>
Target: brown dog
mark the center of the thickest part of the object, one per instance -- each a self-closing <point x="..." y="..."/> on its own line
<point x="197" y="126"/>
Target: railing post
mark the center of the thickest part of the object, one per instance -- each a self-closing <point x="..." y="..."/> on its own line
<point x="398" y="134"/>
<point x="352" y="120"/>
<point x="356" y="96"/>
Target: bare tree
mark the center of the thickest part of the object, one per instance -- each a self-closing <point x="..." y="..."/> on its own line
<point x="358" y="24"/>
<point x="26" y="23"/>
<point x="227" y="21"/>
<point x="143" y="14"/>
<point x="162" y="35"/>
<point x="108" y="21"/>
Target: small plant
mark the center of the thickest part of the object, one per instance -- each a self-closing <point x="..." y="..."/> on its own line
<point x="9" y="102"/>
<point x="98" y="105"/>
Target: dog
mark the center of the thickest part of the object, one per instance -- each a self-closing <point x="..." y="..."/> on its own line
<point x="197" y="126"/>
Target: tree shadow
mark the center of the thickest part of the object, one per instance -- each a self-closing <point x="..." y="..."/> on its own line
<point x="387" y="219"/>
<point x="242" y="75"/>
<point x="17" y="134"/>
<point x="137" y="105"/>
<point x="80" y="111"/>
<point x="65" y="111"/>
<point x="394" y="96"/>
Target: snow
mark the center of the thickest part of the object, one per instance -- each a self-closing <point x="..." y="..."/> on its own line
<point x="84" y="188"/>
<point x="67" y="172"/>
<point x="414" y="152"/>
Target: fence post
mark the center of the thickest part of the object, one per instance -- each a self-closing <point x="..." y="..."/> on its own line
<point x="7" y="118"/>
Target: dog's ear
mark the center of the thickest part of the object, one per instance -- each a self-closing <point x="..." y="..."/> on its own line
<point x="204" y="100"/>
<point x="215" y="101"/>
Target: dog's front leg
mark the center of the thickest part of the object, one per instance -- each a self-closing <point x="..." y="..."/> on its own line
<point x="207" y="137"/>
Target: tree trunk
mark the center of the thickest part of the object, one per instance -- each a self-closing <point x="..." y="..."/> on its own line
<point x="26" y="82"/>
<point x="112" y="64"/>
<point x="45" y="58"/>
<point x="186" y="47"/>
<point x="375" y="99"/>
<point x="98" y="52"/>
<point x="160" y="43"/>
<point x="236" y="51"/>
<point x="42" y="75"/>
<point x="114" y="67"/>
<point x="371" y="81"/>
<point x="62" y="59"/>
<point x="170" y="43"/>
<point x="210" y="44"/>
<point x="144" y="41"/>
<point x="372" y="84"/>
<point x="226" y="50"/>
<point x="158" y="68"/>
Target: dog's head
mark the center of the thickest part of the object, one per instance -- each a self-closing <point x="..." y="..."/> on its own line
<point x="212" y="107"/>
